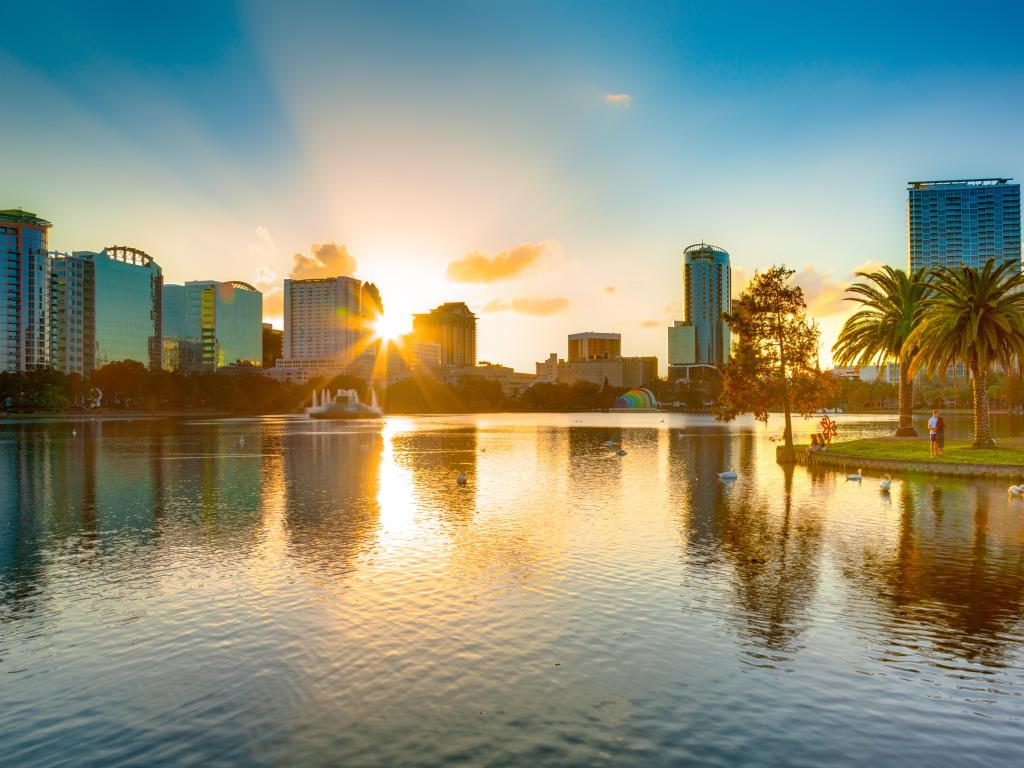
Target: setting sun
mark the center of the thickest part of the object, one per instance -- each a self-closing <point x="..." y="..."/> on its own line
<point x="390" y="327"/>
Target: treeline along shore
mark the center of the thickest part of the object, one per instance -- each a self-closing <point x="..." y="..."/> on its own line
<point x="128" y="387"/>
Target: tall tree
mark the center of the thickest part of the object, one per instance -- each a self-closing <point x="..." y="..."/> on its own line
<point x="877" y="332"/>
<point x="976" y="317"/>
<point x="775" y="360"/>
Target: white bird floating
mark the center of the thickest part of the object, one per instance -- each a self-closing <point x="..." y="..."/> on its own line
<point x="461" y="479"/>
<point x="858" y="475"/>
<point x="1016" y="490"/>
<point x="886" y="484"/>
<point x="241" y="442"/>
<point x="728" y="475"/>
<point x="609" y="443"/>
<point x="620" y="452"/>
<point x="74" y="432"/>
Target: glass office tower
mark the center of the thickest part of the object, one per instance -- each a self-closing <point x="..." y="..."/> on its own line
<point x="962" y="222"/>
<point x="24" y="292"/>
<point x="128" y="307"/>
<point x="707" y="296"/>
<point x="224" y="321"/>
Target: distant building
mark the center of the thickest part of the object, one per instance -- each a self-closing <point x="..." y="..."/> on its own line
<point x="24" y="292"/>
<point x="888" y="373"/>
<point x="273" y="345"/>
<point x="128" y="310"/>
<point x="104" y="307"/>
<point x="409" y="356"/>
<point x="328" y="328"/>
<point x="453" y="326"/>
<point x="707" y="297"/>
<point x="182" y="354"/>
<point x="682" y="344"/>
<point x="226" y="318"/>
<point x="594" y="346"/>
<point x="619" y="372"/>
<point x="73" y="312"/>
<point x="963" y="222"/>
<point x="512" y="383"/>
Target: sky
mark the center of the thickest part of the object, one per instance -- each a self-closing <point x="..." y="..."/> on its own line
<point x="545" y="162"/>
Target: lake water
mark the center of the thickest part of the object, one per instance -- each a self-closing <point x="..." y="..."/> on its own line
<point x="326" y="594"/>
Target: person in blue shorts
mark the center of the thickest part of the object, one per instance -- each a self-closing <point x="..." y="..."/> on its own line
<point x="933" y="433"/>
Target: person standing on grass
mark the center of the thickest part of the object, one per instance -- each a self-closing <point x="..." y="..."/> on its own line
<point x="940" y="434"/>
<point x="933" y="433"/>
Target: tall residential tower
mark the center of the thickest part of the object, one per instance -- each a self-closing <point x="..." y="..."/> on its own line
<point x="24" y="292"/>
<point x="962" y="222"/>
<point x="453" y="327"/>
<point x="702" y="338"/>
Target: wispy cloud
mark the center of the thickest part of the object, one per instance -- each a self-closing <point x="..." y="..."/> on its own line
<point x="618" y="100"/>
<point x="475" y="267"/>
<point x="609" y="289"/>
<point x="651" y="323"/>
<point x="537" y="307"/>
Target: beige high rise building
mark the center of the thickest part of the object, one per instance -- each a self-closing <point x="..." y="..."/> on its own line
<point x="453" y="327"/>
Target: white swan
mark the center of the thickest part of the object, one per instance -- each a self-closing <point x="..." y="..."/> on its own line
<point x="886" y="484"/>
<point x="728" y="475"/>
<point x="241" y="442"/>
<point x="1016" y="490"/>
<point x="609" y="443"/>
<point x="461" y="479"/>
<point x="858" y="475"/>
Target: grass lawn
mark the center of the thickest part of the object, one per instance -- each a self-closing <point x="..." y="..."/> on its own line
<point x="1009" y="450"/>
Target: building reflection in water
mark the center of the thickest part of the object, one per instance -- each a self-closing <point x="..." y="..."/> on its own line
<point x="936" y="562"/>
<point x="331" y="476"/>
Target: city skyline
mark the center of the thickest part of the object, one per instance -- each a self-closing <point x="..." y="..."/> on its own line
<point x="549" y="180"/>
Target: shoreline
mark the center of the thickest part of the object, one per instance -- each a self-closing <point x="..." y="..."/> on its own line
<point x="909" y="455"/>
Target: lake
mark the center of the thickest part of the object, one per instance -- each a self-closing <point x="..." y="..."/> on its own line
<point x="277" y="591"/>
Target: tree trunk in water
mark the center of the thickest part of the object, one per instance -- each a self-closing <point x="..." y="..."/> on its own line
<point x="982" y="424"/>
<point x="787" y="455"/>
<point x="905" y="428"/>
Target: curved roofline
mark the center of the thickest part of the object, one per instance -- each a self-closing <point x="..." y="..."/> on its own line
<point x="704" y="247"/>
<point x="242" y="285"/>
<point x="129" y="255"/>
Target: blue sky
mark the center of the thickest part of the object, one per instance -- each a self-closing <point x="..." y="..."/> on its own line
<point x="597" y="139"/>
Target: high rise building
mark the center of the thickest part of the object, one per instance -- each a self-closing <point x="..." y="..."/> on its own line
<point x="702" y="338"/>
<point x="453" y="326"/>
<point x="224" y="318"/>
<point x="24" y="292"/>
<point x="962" y="222"/>
<point x="104" y="308"/>
<point x="328" y="327"/>
<point x="273" y="345"/>
<point x="594" y="346"/>
<point x="129" y="295"/>
<point x="73" y="312"/>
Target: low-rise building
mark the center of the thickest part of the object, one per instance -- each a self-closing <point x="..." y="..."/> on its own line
<point x="513" y="383"/>
<point x="619" y="372"/>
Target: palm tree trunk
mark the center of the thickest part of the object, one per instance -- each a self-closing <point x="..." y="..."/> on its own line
<point x="905" y="428"/>
<point x="982" y="423"/>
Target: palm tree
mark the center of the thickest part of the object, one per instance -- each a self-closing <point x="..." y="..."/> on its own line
<point x="877" y="332"/>
<point x="973" y="316"/>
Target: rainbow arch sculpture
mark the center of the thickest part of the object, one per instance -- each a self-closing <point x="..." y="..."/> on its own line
<point x="641" y="399"/>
